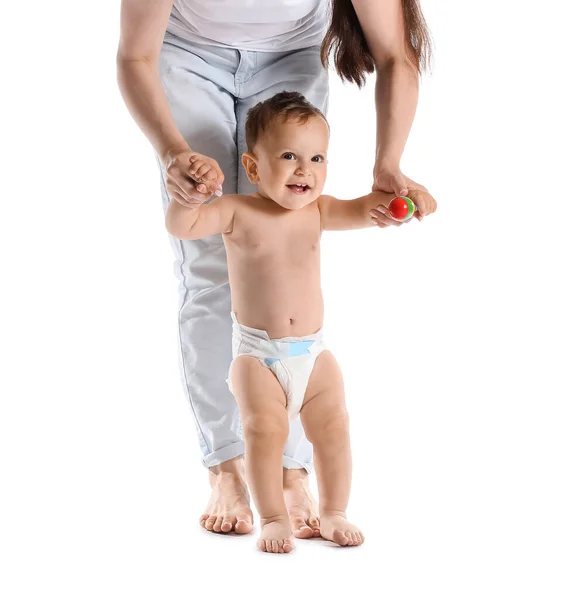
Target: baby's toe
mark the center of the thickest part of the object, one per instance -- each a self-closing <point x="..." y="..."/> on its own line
<point x="340" y="538"/>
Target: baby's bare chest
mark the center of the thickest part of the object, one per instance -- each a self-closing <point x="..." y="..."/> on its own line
<point x="291" y="237"/>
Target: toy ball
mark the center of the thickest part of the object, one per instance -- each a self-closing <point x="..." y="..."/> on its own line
<point x="401" y="208"/>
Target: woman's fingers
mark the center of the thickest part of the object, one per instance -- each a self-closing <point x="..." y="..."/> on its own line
<point x="425" y="201"/>
<point x="197" y="192"/>
<point x="192" y="192"/>
<point x="177" y="194"/>
<point x="382" y="217"/>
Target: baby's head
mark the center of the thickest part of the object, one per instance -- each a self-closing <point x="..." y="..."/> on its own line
<point x="287" y="141"/>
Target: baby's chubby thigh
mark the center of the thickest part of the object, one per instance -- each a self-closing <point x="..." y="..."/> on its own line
<point x="260" y="398"/>
<point x="323" y="411"/>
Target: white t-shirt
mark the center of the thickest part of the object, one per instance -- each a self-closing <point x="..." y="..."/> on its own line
<point x="262" y="25"/>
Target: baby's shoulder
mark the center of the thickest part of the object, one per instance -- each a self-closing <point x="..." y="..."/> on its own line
<point x="236" y="200"/>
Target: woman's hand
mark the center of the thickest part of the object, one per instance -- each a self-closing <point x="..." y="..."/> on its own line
<point x="192" y="178"/>
<point x="395" y="182"/>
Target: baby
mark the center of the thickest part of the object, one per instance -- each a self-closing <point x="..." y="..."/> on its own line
<point x="281" y="369"/>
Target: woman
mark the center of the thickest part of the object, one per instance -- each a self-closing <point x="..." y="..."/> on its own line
<point x="189" y="71"/>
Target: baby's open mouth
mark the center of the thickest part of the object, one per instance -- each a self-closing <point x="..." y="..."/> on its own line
<point x="298" y="189"/>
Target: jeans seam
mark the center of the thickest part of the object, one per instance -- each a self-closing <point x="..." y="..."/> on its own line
<point x="187" y="387"/>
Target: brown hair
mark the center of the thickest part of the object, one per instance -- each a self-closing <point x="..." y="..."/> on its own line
<point x="352" y="57"/>
<point x="284" y="106"/>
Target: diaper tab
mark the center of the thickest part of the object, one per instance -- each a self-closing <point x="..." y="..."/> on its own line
<point x="299" y="348"/>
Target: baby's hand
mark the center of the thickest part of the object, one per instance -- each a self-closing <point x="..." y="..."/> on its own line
<point x="206" y="172"/>
<point x="425" y="205"/>
<point x="181" y="184"/>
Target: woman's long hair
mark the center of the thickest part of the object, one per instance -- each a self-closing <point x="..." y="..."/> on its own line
<point x="352" y="57"/>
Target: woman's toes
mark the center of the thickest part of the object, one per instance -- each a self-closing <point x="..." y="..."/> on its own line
<point x="218" y="525"/>
<point x="243" y="524"/>
<point x="203" y="519"/>
<point x="315" y="525"/>
<point x="227" y="524"/>
<point x="210" y="522"/>
<point x="301" y="528"/>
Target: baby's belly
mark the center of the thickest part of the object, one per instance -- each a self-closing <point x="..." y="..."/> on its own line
<point x="284" y="301"/>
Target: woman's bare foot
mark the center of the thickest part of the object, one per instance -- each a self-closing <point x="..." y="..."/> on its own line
<point x="275" y="535"/>
<point x="337" y="529"/>
<point x="229" y="505"/>
<point x="301" y="506"/>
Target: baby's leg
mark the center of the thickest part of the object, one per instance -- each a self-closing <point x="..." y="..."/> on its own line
<point x="262" y="402"/>
<point x="326" y="424"/>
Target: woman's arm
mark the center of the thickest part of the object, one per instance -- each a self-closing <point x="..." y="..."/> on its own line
<point x="396" y="87"/>
<point x="142" y="29"/>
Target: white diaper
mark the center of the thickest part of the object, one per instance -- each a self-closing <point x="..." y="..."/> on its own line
<point x="290" y="358"/>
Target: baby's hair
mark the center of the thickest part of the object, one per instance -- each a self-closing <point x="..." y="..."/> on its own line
<point x="284" y="106"/>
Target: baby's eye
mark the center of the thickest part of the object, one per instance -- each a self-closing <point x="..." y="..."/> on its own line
<point x="320" y="158"/>
<point x="286" y="154"/>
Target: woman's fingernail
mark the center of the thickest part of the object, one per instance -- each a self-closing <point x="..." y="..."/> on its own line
<point x="201" y="188"/>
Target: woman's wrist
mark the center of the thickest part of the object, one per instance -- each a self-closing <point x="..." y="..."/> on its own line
<point x="170" y="152"/>
<point x="387" y="160"/>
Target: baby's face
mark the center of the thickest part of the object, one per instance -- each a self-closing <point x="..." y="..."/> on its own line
<point x="290" y="153"/>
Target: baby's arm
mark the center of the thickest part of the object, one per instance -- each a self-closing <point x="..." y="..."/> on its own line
<point x="339" y="215"/>
<point x="200" y="220"/>
<point x="354" y="214"/>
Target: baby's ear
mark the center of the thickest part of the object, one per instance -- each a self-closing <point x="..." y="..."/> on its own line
<point x="249" y="162"/>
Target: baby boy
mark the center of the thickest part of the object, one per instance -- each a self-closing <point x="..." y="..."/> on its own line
<point x="281" y="368"/>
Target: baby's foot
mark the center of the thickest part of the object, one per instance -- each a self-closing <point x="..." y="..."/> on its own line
<point x="275" y="535"/>
<point x="336" y="528"/>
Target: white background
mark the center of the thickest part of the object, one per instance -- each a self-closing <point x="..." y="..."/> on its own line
<point x="461" y="338"/>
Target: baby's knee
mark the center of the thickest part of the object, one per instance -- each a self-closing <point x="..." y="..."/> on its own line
<point x="336" y="425"/>
<point x="269" y="426"/>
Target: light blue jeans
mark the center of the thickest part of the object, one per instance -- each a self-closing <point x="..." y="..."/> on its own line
<point x="209" y="90"/>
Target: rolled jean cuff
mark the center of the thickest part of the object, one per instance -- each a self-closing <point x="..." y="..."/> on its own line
<point x="223" y="454"/>
<point x="290" y="463"/>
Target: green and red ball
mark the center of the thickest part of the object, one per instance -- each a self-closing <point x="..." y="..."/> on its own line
<point x="402" y="208"/>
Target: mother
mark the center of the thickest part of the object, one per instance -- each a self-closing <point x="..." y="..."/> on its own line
<point x="189" y="70"/>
